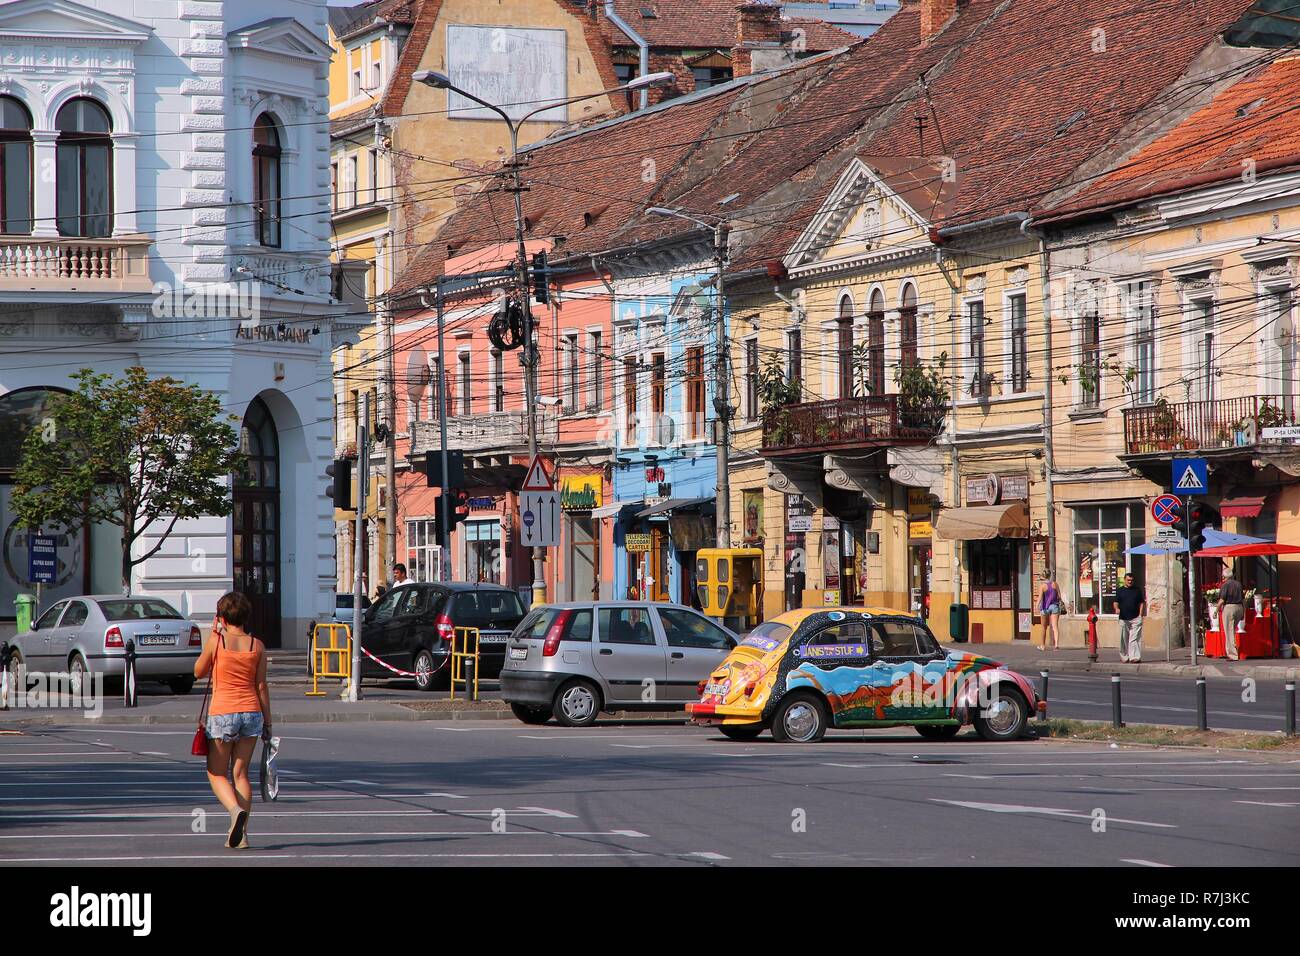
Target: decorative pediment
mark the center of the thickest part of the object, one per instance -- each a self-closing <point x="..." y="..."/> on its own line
<point x="281" y="37"/>
<point x="853" y="217"/>
<point x="64" y="20"/>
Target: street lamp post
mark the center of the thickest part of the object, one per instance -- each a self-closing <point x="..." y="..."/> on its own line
<point x="528" y="359"/>
<point x="721" y="388"/>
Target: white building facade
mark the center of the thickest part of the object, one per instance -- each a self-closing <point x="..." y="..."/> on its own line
<point x="164" y="202"/>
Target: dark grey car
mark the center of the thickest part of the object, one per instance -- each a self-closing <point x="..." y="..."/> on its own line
<point x="572" y="661"/>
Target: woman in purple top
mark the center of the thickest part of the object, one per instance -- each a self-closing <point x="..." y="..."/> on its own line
<point x="1050" y="606"/>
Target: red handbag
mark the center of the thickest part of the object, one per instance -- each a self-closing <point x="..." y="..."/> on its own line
<point x="199" y="747"/>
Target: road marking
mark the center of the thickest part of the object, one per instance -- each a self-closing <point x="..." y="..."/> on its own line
<point x="1265" y="803"/>
<point x="1047" y="811"/>
<point x="706" y="855"/>
<point x="167" y="814"/>
<point x="1165" y="707"/>
<point x="1147" y="863"/>
<point x="253" y="854"/>
<point x="551" y="813"/>
<point x="630" y="834"/>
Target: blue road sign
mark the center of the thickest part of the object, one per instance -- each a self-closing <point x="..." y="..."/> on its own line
<point x="1191" y="476"/>
<point x="42" y="559"/>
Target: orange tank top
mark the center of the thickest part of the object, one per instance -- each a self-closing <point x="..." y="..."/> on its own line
<point x="234" y="688"/>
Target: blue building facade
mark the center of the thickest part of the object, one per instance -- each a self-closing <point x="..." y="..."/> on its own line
<point x="665" y="468"/>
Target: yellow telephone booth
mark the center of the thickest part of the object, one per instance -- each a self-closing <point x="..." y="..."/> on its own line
<point x="729" y="583"/>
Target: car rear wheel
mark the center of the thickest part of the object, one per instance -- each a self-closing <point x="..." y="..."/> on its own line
<point x="77" y="672"/>
<point x="741" y="732"/>
<point x="938" y="731"/>
<point x="15" y="668"/>
<point x="1004" y="718"/>
<point x="530" y="715"/>
<point x="181" y="685"/>
<point x="577" y="704"/>
<point x="426" y="678"/>
<point x="800" y="719"/>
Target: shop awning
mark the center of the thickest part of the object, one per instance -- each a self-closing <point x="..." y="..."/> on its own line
<point x="672" y="504"/>
<point x="614" y="507"/>
<point x="982" y="522"/>
<point x="1242" y="507"/>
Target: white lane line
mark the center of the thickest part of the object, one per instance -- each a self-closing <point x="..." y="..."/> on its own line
<point x="1147" y="863"/>
<point x="1167" y="707"/>
<point x="551" y="813"/>
<point x="561" y="735"/>
<point x="66" y="753"/>
<point x="364" y="783"/>
<point x="173" y="733"/>
<point x="165" y="814"/>
<point x="1266" y="803"/>
<point x="1046" y="811"/>
<point x="630" y="834"/>
<point x="152" y="753"/>
<point x="254" y="854"/>
<point x="705" y="855"/>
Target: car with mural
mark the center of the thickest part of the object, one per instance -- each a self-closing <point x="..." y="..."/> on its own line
<point x="810" y="670"/>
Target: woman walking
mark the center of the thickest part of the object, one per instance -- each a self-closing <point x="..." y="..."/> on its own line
<point x="240" y="711"/>
<point x="1050" y="607"/>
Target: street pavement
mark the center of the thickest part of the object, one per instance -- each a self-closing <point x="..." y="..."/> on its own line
<point x="649" y="794"/>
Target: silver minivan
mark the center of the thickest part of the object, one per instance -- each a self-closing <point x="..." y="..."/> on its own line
<point x="572" y="661"/>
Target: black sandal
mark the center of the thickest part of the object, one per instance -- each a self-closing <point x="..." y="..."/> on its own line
<point x="236" y="835"/>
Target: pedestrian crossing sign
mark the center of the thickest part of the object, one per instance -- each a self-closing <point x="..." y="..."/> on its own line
<point x="1191" y="476"/>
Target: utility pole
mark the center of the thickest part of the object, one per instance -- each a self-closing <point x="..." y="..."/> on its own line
<point x="722" y="390"/>
<point x="358" y="590"/>
<point x="444" y="497"/>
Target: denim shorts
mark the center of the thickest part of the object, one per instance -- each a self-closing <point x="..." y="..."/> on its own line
<point x="233" y="726"/>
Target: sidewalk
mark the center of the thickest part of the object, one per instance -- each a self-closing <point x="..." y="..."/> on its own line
<point x="1024" y="656"/>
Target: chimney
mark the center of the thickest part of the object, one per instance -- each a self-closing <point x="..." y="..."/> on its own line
<point x="935" y="15"/>
<point x="758" y="38"/>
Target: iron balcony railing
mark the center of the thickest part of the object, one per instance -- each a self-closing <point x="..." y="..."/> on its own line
<point x="840" y="422"/>
<point x="1191" y="426"/>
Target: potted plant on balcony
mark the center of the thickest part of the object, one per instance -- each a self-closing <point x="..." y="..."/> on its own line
<point x="1164" y="426"/>
<point x="1270" y="416"/>
<point x="776" y="392"/>
<point x="922" y="394"/>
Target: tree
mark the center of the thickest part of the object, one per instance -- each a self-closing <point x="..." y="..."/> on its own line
<point x="134" y="452"/>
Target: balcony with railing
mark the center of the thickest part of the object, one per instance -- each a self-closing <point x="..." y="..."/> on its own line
<point x="486" y="433"/>
<point x="56" y="264"/>
<point x="1166" y="427"/>
<point x="845" y="423"/>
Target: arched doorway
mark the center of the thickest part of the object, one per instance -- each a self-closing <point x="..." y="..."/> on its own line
<point x="256" y="522"/>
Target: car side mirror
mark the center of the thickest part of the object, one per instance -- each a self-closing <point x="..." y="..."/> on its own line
<point x="34" y="627"/>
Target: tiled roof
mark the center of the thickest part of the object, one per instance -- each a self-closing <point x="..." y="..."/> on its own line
<point x="1252" y="125"/>
<point x="1016" y="94"/>
<point x="818" y="36"/>
<point x="346" y="20"/>
<point x="706" y="24"/>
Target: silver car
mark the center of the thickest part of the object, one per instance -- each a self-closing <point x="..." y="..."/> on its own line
<point x="572" y="661"/>
<point x="89" y="635"/>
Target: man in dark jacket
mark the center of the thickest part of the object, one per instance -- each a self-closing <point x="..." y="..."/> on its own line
<point x="1131" y="605"/>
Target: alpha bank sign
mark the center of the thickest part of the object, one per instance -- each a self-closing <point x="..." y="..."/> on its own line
<point x="516" y="69"/>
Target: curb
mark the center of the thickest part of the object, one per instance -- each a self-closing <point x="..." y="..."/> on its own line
<point x="1155" y="669"/>
<point x="399" y="713"/>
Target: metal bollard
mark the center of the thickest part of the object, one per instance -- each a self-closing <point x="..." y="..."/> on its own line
<point x="1042" y="695"/>
<point x="471" y="684"/>
<point x="1201" y="719"/>
<point x="129" y="698"/>
<point x="1290" y="708"/>
<point x="1116" y="711"/>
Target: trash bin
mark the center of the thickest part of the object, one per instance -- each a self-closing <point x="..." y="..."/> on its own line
<point x="25" y="611"/>
<point x="958" y="622"/>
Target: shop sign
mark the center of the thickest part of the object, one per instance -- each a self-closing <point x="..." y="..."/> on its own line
<point x="1286" y="433"/>
<point x="653" y="501"/>
<point x="994" y="489"/>
<point x="918" y="503"/>
<point x="1015" y="487"/>
<point x="654" y="474"/>
<point x="637" y="543"/>
<point x="580" y="493"/>
<point x="799" y="524"/>
<point x="873" y="542"/>
<point x="831" y="597"/>
<point x="486" y="503"/>
<point x="830" y="524"/>
<point x="920" y="529"/>
<point x="753" y="504"/>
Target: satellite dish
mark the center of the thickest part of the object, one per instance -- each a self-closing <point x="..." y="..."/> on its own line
<point x="417" y="372"/>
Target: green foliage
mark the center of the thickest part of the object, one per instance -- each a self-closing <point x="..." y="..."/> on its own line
<point x="133" y="452"/>
<point x="922" y="393"/>
<point x="775" y="390"/>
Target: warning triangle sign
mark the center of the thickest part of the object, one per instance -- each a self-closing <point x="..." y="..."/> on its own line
<point x="537" y="478"/>
<point x="1190" y="481"/>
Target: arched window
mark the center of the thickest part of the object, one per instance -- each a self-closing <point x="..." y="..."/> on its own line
<point x="15" y="167"/>
<point x="266" y="181"/>
<point x="84" y="195"/>
<point x="907" y="325"/>
<point x="845" y="346"/>
<point x="876" y="343"/>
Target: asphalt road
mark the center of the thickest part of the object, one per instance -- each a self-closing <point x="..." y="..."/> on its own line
<point x="637" y="795"/>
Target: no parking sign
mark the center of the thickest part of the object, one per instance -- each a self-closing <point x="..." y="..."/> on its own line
<point x="1166" y="509"/>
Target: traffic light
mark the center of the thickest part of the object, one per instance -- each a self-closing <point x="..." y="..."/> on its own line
<point x="341" y="488"/>
<point x="455" y="469"/>
<point x="1202" y="516"/>
<point x="455" y="503"/>
<point x="541" y="279"/>
<point x="1180" y="520"/>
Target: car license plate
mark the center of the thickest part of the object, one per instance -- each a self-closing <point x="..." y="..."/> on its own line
<point x="154" y="640"/>
<point x="717" y="688"/>
<point x="518" y="653"/>
<point x="492" y="638"/>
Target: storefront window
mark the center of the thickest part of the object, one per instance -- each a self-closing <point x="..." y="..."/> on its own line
<point x="483" y="551"/>
<point x="1102" y="537"/>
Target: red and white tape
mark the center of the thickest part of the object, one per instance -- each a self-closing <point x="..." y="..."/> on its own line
<point x="397" y="671"/>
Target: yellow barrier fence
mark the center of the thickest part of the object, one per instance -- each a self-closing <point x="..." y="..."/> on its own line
<point x="330" y="659"/>
<point x="460" y="656"/>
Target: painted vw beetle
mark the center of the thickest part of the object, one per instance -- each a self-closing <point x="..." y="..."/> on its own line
<point x="806" y="671"/>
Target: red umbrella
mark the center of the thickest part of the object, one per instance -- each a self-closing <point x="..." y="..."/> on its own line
<point x="1249" y="550"/>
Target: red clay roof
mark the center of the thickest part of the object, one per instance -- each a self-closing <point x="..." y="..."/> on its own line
<point x="1012" y="92"/>
<point x="1254" y="121"/>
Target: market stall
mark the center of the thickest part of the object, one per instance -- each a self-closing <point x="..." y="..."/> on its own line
<point x="1262" y="626"/>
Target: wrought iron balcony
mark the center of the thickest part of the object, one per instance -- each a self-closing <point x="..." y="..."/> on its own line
<point x="1206" y="425"/>
<point x="57" y="264"/>
<point x="846" y="422"/>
